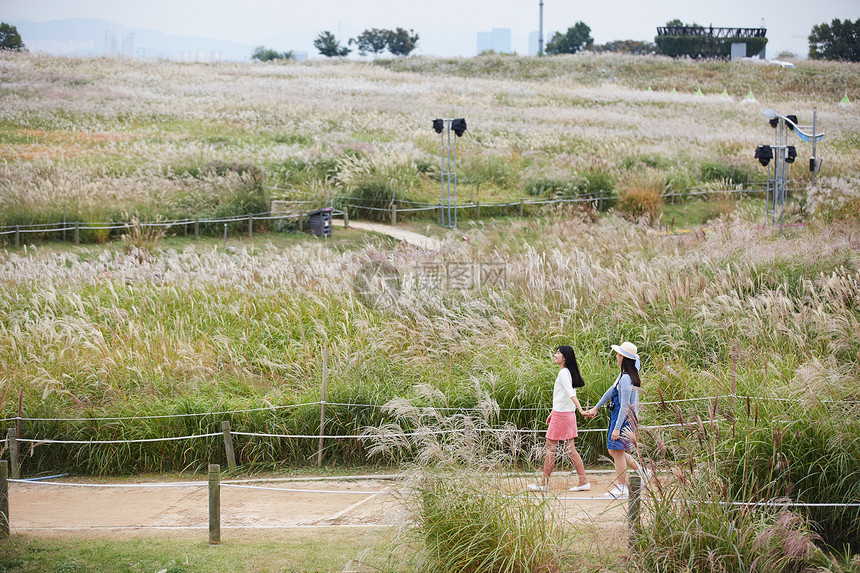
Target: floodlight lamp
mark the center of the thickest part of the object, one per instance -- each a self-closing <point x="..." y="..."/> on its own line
<point x="764" y="154"/>
<point x="774" y="122"/>
<point x="438" y="124"/>
<point x="459" y="126"/>
<point x="791" y="121"/>
<point x="792" y="154"/>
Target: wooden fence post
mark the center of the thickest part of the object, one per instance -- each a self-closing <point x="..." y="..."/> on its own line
<point x="228" y="445"/>
<point x="394" y="213"/>
<point x="346" y="220"/>
<point x="521" y="207"/>
<point x="301" y="223"/>
<point x="12" y="442"/>
<point x="322" y="407"/>
<point x="633" y="508"/>
<point x="196" y="228"/>
<point x="250" y="226"/>
<point x="17" y="236"/>
<point x="214" y="504"/>
<point x="77" y="233"/>
<point x="478" y="208"/>
<point x="4" y="499"/>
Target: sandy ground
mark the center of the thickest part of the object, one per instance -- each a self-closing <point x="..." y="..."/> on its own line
<point x="50" y="510"/>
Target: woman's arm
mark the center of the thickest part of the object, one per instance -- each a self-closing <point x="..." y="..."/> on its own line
<point x="578" y="407"/>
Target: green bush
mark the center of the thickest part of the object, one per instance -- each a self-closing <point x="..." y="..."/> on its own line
<point x="371" y="199"/>
<point x="711" y="171"/>
<point x="486" y="170"/>
<point x="547" y="186"/>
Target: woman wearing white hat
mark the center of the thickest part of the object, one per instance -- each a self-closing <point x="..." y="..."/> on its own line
<point x="623" y="397"/>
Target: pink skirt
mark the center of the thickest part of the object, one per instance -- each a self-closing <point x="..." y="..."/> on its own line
<point x="562" y="426"/>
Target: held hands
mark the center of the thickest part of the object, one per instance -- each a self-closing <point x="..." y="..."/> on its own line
<point x="590" y="413"/>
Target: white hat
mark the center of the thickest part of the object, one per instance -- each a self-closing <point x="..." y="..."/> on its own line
<point x="627" y="349"/>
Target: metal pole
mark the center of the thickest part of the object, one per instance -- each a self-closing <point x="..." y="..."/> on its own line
<point x="540" y="30"/>
<point x="814" y="122"/>
<point x="455" y="176"/>
<point x="225" y="235"/>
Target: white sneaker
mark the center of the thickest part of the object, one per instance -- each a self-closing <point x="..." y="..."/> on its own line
<point x="617" y="492"/>
<point x="583" y="487"/>
<point x="538" y="487"/>
<point x="645" y="474"/>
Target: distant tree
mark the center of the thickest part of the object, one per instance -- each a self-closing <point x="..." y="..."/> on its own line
<point x="676" y="23"/>
<point x="578" y="37"/>
<point x="402" y="43"/>
<point x="264" y="54"/>
<point x="373" y="41"/>
<point x="10" y="39"/>
<point x="329" y="47"/>
<point x="636" y="47"/>
<point x="839" y="40"/>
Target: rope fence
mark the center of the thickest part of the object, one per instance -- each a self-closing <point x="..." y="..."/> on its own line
<point x="363" y="405"/>
<point x="215" y="485"/>
<point x="344" y="202"/>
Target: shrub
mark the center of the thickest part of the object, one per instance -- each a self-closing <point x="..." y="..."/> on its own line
<point x="466" y="526"/>
<point x="641" y="196"/>
<point x="547" y="186"/>
<point x="486" y="170"/>
<point x="711" y="171"/>
<point x="368" y="197"/>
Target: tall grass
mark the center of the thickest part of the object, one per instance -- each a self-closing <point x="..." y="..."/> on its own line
<point x="107" y="137"/>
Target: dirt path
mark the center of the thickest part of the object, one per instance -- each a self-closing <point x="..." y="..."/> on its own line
<point x="417" y="239"/>
<point x="48" y="510"/>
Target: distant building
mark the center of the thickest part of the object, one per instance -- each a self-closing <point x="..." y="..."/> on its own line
<point x="111" y="43"/>
<point x="485" y="42"/>
<point x="533" y="43"/>
<point x="128" y="45"/>
<point x="497" y="40"/>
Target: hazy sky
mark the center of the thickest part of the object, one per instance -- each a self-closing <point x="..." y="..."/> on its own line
<point x="446" y="27"/>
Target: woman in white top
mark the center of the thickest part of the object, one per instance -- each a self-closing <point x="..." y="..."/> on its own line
<point x="562" y="420"/>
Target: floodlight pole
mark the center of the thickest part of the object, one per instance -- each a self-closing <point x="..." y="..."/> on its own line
<point x="449" y="175"/>
<point x="776" y="187"/>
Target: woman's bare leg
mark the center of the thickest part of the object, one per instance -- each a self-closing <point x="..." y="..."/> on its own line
<point x="548" y="460"/>
<point x="620" y="459"/>
<point x="578" y="464"/>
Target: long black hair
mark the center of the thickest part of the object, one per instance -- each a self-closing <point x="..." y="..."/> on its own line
<point x="571" y="365"/>
<point x="628" y="366"/>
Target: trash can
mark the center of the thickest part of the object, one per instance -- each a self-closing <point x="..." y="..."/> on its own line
<point x="320" y="222"/>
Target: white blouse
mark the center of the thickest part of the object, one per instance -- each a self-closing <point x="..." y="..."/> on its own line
<point x="563" y="392"/>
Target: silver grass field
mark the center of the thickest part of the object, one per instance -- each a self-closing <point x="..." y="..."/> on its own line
<point x="765" y="326"/>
